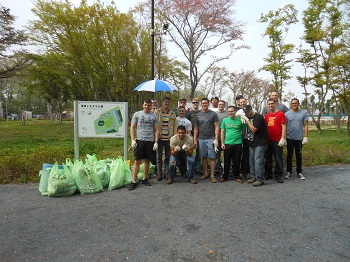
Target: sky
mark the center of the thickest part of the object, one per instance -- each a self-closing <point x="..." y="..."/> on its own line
<point x="248" y="11"/>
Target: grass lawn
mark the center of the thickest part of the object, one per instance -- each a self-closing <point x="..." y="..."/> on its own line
<point x="23" y="149"/>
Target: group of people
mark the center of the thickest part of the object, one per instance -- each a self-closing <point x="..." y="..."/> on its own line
<point x="189" y="141"/>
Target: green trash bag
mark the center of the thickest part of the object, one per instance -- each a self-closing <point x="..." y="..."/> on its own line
<point x="103" y="172"/>
<point x="86" y="178"/>
<point x="117" y="173"/>
<point x="127" y="176"/>
<point x="150" y="171"/>
<point x="44" y="181"/>
<point x="61" y="182"/>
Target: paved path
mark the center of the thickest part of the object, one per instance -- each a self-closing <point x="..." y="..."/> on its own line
<point x="295" y="221"/>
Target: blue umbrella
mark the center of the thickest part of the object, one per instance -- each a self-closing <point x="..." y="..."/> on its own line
<point x="156" y="86"/>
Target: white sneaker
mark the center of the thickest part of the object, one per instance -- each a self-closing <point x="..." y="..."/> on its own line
<point x="288" y="175"/>
<point x="300" y="175"/>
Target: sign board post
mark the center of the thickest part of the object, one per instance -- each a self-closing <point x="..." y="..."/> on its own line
<point x="100" y="120"/>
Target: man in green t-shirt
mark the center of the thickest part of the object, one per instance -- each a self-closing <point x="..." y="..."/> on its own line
<point x="232" y="131"/>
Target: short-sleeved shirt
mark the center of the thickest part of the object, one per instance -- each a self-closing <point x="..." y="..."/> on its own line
<point x="221" y="116"/>
<point x="145" y="123"/>
<point x="183" y="121"/>
<point x="175" y="141"/>
<point x="192" y="117"/>
<point x="205" y="122"/>
<point x="274" y="123"/>
<point x="233" y="130"/>
<point x="279" y="106"/>
<point x="260" y="137"/>
<point x="295" y="124"/>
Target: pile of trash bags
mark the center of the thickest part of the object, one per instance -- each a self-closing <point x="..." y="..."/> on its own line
<point x="88" y="177"/>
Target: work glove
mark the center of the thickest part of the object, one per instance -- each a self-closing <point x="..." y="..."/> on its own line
<point x="177" y="148"/>
<point x="155" y="146"/>
<point x="244" y="119"/>
<point x="133" y="144"/>
<point x="305" y="141"/>
<point x="282" y="142"/>
<point x="185" y="147"/>
<point x="216" y="145"/>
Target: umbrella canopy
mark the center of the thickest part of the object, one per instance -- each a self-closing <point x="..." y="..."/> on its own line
<point x="156" y="86"/>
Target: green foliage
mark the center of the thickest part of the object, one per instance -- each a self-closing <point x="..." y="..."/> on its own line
<point x="278" y="25"/>
<point x="26" y="148"/>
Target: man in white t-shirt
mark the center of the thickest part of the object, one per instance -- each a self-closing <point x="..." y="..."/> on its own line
<point x="183" y="121"/>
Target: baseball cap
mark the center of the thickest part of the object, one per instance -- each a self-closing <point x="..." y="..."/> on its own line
<point x="247" y="108"/>
<point x="182" y="99"/>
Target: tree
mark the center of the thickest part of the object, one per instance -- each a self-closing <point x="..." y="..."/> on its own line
<point x="214" y="83"/>
<point x="323" y="31"/>
<point x="278" y="65"/>
<point x="200" y="27"/>
<point x="11" y="60"/>
<point x="253" y="88"/>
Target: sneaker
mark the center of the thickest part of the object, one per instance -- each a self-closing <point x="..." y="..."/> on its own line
<point x="159" y="177"/>
<point x="145" y="182"/>
<point x="251" y="180"/>
<point x="279" y="179"/>
<point x="222" y="179"/>
<point x="132" y="186"/>
<point x="257" y="183"/>
<point x="192" y="181"/>
<point x="288" y="175"/>
<point x="170" y="181"/>
<point x="213" y="179"/>
<point x="300" y="175"/>
<point x="203" y="177"/>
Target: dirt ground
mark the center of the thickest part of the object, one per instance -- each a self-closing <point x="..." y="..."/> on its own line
<point x="294" y="221"/>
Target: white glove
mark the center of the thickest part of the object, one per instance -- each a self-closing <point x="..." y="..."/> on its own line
<point x="133" y="144"/>
<point x="244" y="119"/>
<point x="282" y="142"/>
<point x="177" y="148"/>
<point x="155" y="146"/>
<point x="305" y="141"/>
<point x="216" y="145"/>
<point x="185" y="147"/>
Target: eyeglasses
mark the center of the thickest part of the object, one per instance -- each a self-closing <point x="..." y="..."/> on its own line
<point x="193" y="102"/>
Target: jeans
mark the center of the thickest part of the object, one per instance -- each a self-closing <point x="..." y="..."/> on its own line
<point x="162" y="144"/>
<point x="277" y="152"/>
<point x="256" y="160"/>
<point x="174" y="160"/>
<point x="218" y="157"/>
<point x="232" y="153"/>
<point x="297" y="146"/>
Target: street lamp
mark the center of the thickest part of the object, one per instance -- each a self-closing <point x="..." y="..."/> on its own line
<point x="154" y="33"/>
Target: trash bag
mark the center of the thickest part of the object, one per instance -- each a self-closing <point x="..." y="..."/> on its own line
<point x="86" y="178"/>
<point x="61" y="182"/>
<point x="44" y="181"/>
<point x="127" y="175"/>
<point x="142" y="168"/>
<point x="103" y="172"/>
<point x="117" y="173"/>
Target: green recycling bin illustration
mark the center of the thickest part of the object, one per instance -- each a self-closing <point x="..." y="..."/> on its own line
<point x="109" y="121"/>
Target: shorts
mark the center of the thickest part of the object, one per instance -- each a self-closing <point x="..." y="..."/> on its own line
<point x="144" y="150"/>
<point x="206" y="148"/>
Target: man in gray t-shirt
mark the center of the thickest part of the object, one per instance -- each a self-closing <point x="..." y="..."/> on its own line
<point x="297" y="133"/>
<point x="279" y="106"/>
<point x="145" y="124"/>
<point x="206" y="135"/>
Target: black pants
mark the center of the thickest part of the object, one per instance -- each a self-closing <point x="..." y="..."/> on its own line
<point x="294" y="145"/>
<point x="232" y="153"/>
<point x="245" y="168"/>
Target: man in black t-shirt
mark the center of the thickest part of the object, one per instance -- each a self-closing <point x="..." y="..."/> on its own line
<point x="258" y="141"/>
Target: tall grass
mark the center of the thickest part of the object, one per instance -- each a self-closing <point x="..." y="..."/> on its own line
<point x="23" y="149"/>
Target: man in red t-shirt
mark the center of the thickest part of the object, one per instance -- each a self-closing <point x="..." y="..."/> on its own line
<point x="276" y="129"/>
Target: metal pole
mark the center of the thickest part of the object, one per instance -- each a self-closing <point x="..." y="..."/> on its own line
<point x="152" y="37"/>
